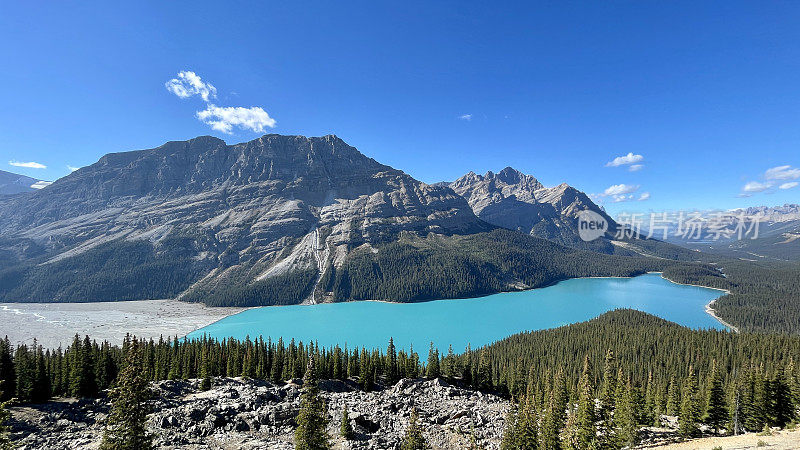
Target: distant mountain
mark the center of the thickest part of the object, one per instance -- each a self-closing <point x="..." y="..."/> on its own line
<point x="279" y="219"/>
<point x="777" y="235"/>
<point x="12" y="183"/>
<point x="514" y="200"/>
<point x="773" y="214"/>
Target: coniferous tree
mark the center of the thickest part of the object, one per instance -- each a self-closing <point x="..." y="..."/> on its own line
<point x="205" y="371"/>
<point x="527" y="425"/>
<point x="413" y="438"/>
<point x="433" y="370"/>
<point x="549" y="436"/>
<point x="735" y="424"/>
<point x="82" y="379"/>
<point x="553" y="420"/>
<point x="760" y="406"/>
<point x="790" y="375"/>
<point x="783" y="409"/>
<point x="346" y="428"/>
<point x="648" y="412"/>
<point x="450" y="369"/>
<point x="25" y="365"/>
<point x="126" y="424"/>
<point x="690" y="407"/>
<point x="673" y="397"/>
<point x="311" y="433"/>
<point x="608" y="396"/>
<point x="8" y="374"/>
<point x="509" y="440"/>
<point x="41" y="383"/>
<point x="716" y="406"/>
<point x="5" y="438"/>
<point x="483" y="375"/>
<point x="625" y="418"/>
<point x="609" y="392"/>
<point x="391" y="358"/>
<point x="582" y="433"/>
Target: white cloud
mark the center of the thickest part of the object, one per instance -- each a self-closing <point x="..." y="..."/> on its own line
<point x="189" y="84"/>
<point x="635" y="167"/>
<point x="29" y="165"/>
<point x="41" y="184"/>
<point x="622" y="198"/>
<point x="72" y="168"/>
<point x="220" y="118"/>
<point x="620" y="193"/>
<point x="630" y="158"/>
<point x="789" y="185"/>
<point x="782" y="173"/>
<point x="755" y="186"/>
<point x="618" y="189"/>
<point x="466" y="117"/>
<point x="225" y="118"/>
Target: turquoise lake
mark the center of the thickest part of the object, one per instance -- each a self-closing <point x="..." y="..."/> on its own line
<point x="477" y="321"/>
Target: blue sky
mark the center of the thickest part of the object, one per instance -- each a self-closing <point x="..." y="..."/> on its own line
<point x="706" y="92"/>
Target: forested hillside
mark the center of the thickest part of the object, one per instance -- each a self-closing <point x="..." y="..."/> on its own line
<point x="764" y="296"/>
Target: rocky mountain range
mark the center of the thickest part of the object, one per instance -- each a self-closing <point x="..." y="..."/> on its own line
<point x="12" y="183"/>
<point x="282" y="219"/>
<point x="776" y="235"/>
<point x="514" y="200"/>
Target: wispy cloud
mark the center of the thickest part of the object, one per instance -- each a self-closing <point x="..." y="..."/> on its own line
<point x="635" y="167"/>
<point x="29" y="165"/>
<point x="466" y="117"/>
<point x="782" y="173"/>
<point x="618" y="189"/>
<point x="189" y="84"/>
<point x="225" y="118"/>
<point x="72" y="168"/>
<point x="755" y="186"/>
<point x="621" y="193"/>
<point x="624" y="160"/>
<point x="789" y="185"/>
<point x="772" y="177"/>
<point x="41" y="184"/>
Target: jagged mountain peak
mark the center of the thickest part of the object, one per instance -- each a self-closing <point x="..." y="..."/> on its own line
<point x="515" y="200"/>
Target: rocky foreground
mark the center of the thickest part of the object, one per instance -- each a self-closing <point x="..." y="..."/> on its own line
<point x="248" y="414"/>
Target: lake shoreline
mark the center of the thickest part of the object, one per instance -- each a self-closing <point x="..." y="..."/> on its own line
<point x="55" y="324"/>
<point x="709" y="308"/>
<point x="371" y="322"/>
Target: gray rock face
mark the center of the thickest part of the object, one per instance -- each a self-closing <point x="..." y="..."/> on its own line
<point x="514" y="200"/>
<point x="12" y="183"/>
<point x="250" y="211"/>
<point x="248" y="414"/>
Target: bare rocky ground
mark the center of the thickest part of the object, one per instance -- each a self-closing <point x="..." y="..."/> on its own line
<point x="247" y="414"/>
<point x="54" y="324"/>
<point x="777" y="440"/>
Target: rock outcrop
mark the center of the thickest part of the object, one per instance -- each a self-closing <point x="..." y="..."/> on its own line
<point x="248" y="414"/>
